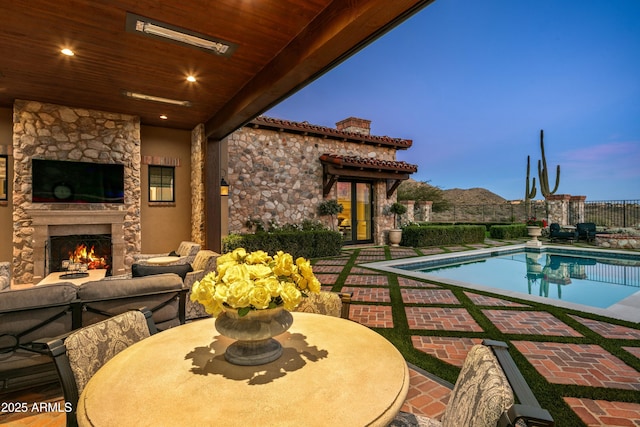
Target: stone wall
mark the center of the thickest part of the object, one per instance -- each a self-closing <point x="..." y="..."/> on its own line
<point x="618" y="241"/>
<point x="63" y="133"/>
<point x="198" y="142"/>
<point x="276" y="177"/>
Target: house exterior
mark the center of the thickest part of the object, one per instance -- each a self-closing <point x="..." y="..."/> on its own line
<point x="280" y="171"/>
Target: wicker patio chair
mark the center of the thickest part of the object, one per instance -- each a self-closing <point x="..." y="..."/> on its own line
<point x="330" y="303"/>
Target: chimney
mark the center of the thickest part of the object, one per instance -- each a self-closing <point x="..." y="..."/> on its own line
<point x="355" y="125"/>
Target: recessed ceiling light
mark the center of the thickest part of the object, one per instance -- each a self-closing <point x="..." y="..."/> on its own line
<point x="191" y="79"/>
<point x="67" y="52"/>
<point x="156" y="29"/>
<point x="145" y="97"/>
<point x="163" y="116"/>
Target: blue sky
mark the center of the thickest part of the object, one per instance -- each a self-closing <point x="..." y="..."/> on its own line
<point x="472" y="83"/>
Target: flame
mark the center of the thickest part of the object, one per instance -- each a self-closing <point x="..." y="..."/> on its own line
<point x="84" y="255"/>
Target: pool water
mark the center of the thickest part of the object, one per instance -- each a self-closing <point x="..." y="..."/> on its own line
<point x="592" y="281"/>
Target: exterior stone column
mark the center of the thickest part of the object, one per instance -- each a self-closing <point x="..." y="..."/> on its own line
<point x="410" y="214"/>
<point x="558" y="208"/>
<point x="576" y="209"/>
<point x="423" y="210"/>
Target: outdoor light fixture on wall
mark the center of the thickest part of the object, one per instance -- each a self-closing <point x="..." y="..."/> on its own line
<point x="160" y="30"/>
<point x="224" y="187"/>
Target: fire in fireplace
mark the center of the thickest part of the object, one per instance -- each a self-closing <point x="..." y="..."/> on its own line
<point x="93" y="251"/>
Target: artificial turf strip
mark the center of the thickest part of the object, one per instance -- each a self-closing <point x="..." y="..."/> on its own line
<point x="549" y="395"/>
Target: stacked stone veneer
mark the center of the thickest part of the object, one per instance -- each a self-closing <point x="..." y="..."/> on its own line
<point x="276" y="177"/>
<point x="198" y="219"/>
<point x="62" y="133"/>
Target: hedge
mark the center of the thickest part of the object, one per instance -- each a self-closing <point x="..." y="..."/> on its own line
<point x="307" y="244"/>
<point x="512" y="231"/>
<point x="417" y="236"/>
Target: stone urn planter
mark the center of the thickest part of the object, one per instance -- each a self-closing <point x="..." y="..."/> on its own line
<point x="395" y="236"/>
<point x="534" y="232"/>
<point x="254" y="333"/>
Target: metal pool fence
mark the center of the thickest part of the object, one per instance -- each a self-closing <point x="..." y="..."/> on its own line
<point x="610" y="213"/>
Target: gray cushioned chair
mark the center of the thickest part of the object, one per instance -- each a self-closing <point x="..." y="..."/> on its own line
<point x="203" y="263"/>
<point x="186" y="252"/>
<point x="78" y="357"/>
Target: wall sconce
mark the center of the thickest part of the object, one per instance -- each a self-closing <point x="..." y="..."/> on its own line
<point x="224" y="187"/>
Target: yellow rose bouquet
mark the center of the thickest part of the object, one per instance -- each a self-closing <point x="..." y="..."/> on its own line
<point x="255" y="281"/>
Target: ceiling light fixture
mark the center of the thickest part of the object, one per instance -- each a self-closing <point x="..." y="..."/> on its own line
<point x="67" y="52"/>
<point x="144" y="97"/>
<point x="163" y="116"/>
<point x="156" y="29"/>
<point x="191" y="79"/>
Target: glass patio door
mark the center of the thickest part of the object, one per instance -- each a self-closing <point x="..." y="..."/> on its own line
<point x="355" y="221"/>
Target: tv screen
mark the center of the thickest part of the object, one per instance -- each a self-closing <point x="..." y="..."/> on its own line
<point x="61" y="181"/>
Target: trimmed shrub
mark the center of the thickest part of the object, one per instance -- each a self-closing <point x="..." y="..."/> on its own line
<point x="307" y="244"/>
<point x="512" y="231"/>
<point x="420" y="236"/>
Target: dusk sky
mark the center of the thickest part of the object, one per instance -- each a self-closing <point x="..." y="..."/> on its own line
<point x="472" y="83"/>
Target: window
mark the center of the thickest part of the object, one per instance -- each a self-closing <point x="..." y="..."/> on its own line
<point x="161" y="183"/>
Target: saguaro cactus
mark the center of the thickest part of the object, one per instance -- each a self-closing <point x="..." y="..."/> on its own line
<point x="543" y="173"/>
<point x="529" y="193"/>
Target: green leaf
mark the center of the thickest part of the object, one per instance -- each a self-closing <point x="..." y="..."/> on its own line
<point x="243" y="311"/>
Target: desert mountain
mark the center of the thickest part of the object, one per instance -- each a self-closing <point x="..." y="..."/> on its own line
<point x="472" y="196"/>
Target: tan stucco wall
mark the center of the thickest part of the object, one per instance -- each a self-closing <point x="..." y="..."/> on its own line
<point x="164" y="226"/>
<point x="6" y="222"/>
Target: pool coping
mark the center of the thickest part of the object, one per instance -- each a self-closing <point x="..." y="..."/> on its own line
<point x="627" y="309"/>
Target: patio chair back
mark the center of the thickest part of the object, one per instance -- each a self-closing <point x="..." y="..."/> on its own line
<point x="86" y="350"/>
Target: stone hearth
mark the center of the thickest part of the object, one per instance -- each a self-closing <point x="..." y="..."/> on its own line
<point x="48" y="223"/>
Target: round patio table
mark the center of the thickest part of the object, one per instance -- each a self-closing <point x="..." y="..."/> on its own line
<point x="333" y="372"/>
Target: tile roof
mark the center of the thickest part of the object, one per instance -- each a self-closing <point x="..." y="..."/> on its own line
<point x="368" y="163"/>
<point x="326" y="132"/>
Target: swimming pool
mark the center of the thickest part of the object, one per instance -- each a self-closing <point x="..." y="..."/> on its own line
<point x="603" y="282"/>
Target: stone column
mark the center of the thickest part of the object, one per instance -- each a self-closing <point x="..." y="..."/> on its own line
<point x="558" y="208"/>
<point x="409" y="215"/>
<point x="576" y="211"/>
<point x="423" y="210"/>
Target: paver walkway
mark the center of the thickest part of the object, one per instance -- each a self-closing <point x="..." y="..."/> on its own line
<point x="572" y="350"/>
<point x="557" y="349"/>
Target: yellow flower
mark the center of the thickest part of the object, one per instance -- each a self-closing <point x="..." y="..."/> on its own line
<point x="239" y="254"/>
<point x="291" y="296"/>
<point x="258" y="257"/>
<point x="236" y="273"/>
<point x="284" y="264"/>
<point x="272" y="284"/>
<point x="314" y="285"/>
<point x="240" y="294"/>
<point x="255" y="281"/>
<point x="260" y="297"/>
<point x="259" y="271"/>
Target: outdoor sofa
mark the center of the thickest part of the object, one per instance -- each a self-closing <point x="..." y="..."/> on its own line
<point x="30" y="317"/>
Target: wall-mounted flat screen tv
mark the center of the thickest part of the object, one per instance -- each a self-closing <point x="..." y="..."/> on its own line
<point x="61" y="181"/>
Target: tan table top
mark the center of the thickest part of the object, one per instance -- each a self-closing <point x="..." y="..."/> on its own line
<point x="96" y="274"/>
<point x="333" y="372"/>
<point x="162" y="260"/>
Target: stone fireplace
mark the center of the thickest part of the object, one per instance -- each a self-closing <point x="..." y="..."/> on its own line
<point x="56" y="132"/>
<point x="50" y="223"/>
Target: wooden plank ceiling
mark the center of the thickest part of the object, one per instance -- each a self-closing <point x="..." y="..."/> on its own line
<point x="281" y="46"/>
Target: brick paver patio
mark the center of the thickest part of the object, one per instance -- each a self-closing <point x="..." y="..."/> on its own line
<point x="574" y="363"/>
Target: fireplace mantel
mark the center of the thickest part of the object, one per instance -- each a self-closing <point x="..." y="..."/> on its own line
<point x="50" y="222"/>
